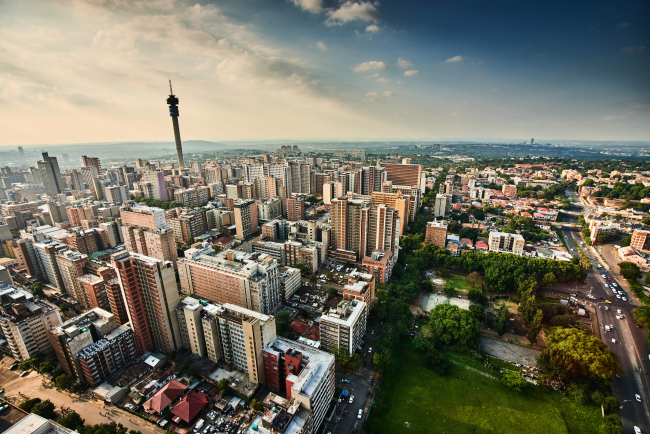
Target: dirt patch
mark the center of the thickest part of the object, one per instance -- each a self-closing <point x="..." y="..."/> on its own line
<point x="509" y="352"/>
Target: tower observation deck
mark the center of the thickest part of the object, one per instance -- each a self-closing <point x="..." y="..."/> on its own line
<point x="172" y="102"/>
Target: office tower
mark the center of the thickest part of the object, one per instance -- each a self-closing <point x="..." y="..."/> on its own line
<point x="145" y="231"/>
<point x="246" y="220"/>
<point x="403" y="174"/>
<point x="188" y="225"/>
<point x="92" y="161"/>
<point x="98" y="187"/>
<point x="76" y="180"/>
<point x="436" y="234"/>
<point x="296" y="208"/>
<point x="300" y="174"/>
<point x="172" y="101"/>
<point x="246" y="280"/>
<point x="640" y="239"/>
<point x="197" y="196"/>
<point x="269" y="209"/>
<point x="509" y="190"/>
<point x="343" y="326"/>
<point x="329" y="192"/>
<point x="532" y="141"/>
<point x="25" y="322"/>
<point x="51" y="175"/>
<point x="71" y="266"/>
<point x="21" y="152"/>
<point x="88" y="174"/>
<point x="116" y="195"/>
<point x="46" y="252"/>
<point x="398" y="201"/>
<point x="35" y="173"/>
<point x="304" y="374"/>
<point x="442" y="205"/>
<point x="506" y="243"/>
<point x="149" y="288"/>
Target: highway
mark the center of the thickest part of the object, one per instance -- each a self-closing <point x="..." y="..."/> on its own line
<point x="626" y="339"/>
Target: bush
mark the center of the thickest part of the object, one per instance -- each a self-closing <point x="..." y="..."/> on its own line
<point x="64" y="381"/>
<point x="565" y="320"/>
<point x="610" y="405"/>
<point x="477" y="311"/>
<point x="29" y="404"/>
<point x="514" y="380"/>
<point x="44" y="409"/>
<point x="477" y="296"/>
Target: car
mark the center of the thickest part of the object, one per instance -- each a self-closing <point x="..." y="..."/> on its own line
<point x="609" y="278"/>
<point x="606" y="308"/>
<point x="606" y="328"/>
<point x="637" y="430"/>
<point x="24" y="373"/>
<point x="618" y="310"/>
<point x="372" y="332"/>
<point x="370" y="350"/>
<point x="351" y="399"/>
<point x="360" y="414"/>
<point x="604" y="277"/>
<point x="611" y="326"/>
<point x="3" y="407"/>
<point x="613" y="340"/>
<point x="637" y="397"/>
<point x="345" y="380"/>
<point x="618" y="296"/>
<point x="623" y="298"/>
<point x="607" y="301"/>
<point x="14" y="365"/>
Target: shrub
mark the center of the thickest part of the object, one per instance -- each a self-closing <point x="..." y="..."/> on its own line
<point x="29" y="404"/>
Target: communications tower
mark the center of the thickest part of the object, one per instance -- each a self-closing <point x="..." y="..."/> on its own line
<point x="172" y="101"/>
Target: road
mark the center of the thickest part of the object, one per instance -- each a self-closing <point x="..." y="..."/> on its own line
<point x="630" y="344"/>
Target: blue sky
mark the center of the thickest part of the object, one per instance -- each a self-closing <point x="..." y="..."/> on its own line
<point x="96" y="70"/>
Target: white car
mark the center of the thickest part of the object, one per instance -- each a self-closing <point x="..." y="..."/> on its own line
<point x="623" y="298"/>
<point x="618" y="310"/>
<point x="360" y="414"/>
<point x="606" y="308"/>
<point x="606" y="328"/>
<point x="618" y="296"/>
<point x="613" y="341"/>
<point x="638" y="397"/>
<point x="637" y="430"/>
<point x="351" y="399"/>
<point x="370" y="350"/>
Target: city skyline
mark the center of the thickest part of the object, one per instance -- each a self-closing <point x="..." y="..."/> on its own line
<point x="88" y="72"/>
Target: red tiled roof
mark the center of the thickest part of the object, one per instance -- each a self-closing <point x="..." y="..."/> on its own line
<point x="298" y="326"/>
<point x="190" y="405"/>
<point x="164" y="396"/>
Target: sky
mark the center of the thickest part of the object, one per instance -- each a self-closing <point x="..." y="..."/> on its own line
<point x="79" y="71"/>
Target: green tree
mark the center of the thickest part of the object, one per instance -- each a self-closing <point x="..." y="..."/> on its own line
<point x="572" y="352"/>
<point x="303" y="269"/>
<point x="329" y="275"/>
<point x="454" y="326"/>
<point x="313" y="279"/>
<point x="501" y="320"/>
<point x="44" y="409"/>
<point x="332" y="292"/>
<point x="476" y="295"/>
<point x="626" y="241"/>
<point x="629" y="270"/>
<point x="282" y="320"/>
<point x="15" y="233"/>
<point x="71" y="420"/>
<point x="64" y="381"/>
<point x="514" y="380"/>
<point x="47" y="366"/>
<point x="37" y="289"/>
<point x="223" y="386"/>
<point x="611" y="425"/>
<point x="437" y="362"/>
<point x="527" y="307"/>
<point x="478" y="312"/>
<point x="256" y="405"/>
<point x="381" y="361"/>
<point x="28" y="405"/>
<point x="421" y="343"/>
<point x="535" y="326"/>
<point x="549" y="279"/>
<point x="568" y="320"/>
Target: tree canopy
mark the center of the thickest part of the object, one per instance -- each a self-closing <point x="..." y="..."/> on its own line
<point x="454" y="326"/>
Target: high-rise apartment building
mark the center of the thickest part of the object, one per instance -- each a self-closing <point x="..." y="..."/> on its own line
<point x="304" y="374"/>
<point x="372" y="178"/>
<point x="640" y="240"/>
<point x="98" y="188"/>
<point x="46" y="252"/>
<point x="436" y="234"/>
<point x="92" y="161"/>
<point x="149" y="287"/>
<point x="246" y="280"/>
<point x="25" y="322"/>
<point x="300" y="174"/>
<point x="116" y="195"/>
<point x="157" y="180"/>
<point x="24" y="250"/>
<point x="145" y="231"/>
<point x="51" y="175"/>
<point x="196" y="196"/>
<point x="344" y="326"/>
<point x="446" y="188"/>
<point x="379" y="264"/>
<point x="246" y="220"/>
<point x="442" y="205"/>
<point x="506" y="243"/>
<point x="189" y="224"/>
<point x="296" y="208"/>
<point x="399" y="202"/>
<point x="72" y="266"/>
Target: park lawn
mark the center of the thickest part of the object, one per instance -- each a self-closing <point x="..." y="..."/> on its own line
<point x="457" y="282"/>
<point x="467" y="401"/>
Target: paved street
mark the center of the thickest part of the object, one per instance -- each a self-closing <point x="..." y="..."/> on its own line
<point x="630" y="343"/>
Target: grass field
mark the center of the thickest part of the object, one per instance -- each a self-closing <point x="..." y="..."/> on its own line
<point x="468" y="401"/>
<point x="457" y="282"/>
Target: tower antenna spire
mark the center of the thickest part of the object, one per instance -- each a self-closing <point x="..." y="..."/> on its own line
<point x="171" y="92"/>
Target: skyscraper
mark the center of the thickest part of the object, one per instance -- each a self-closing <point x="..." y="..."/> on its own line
<point x="21" y="152"/>
<point x="145" y="231"/>
<point x="92" y="161"/>
<point x="172" y="101"/>
<point x="51" y="175"/>
<point x="246" y="221"/>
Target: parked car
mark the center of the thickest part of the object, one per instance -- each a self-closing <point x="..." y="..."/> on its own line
<point x="613" y="341"/>
<point x="606" y="328"/>
<point x="352" y="398"/>
<point x="636" y="395"/>
<point x="637" y="430"/>
<point x="360" y="413"/>
<point x="24" y="373"/>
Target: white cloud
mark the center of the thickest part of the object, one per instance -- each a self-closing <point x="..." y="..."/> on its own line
<point x="313" y="6"/>
<point x="321" y="45"/>
<point x="455" y="59"/>
<point x="368" y="66"/>
<point x="410" y="73"/>
<point x="398" y="82"/>
<point x="352" y="11"/>
<point x="373" y="28"/>
<point x="374" y="96"/>
<point x="383" y="80"/>
<point x="401" y="63"/>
